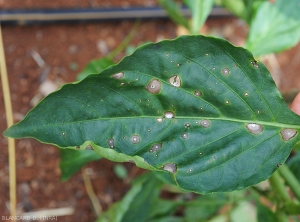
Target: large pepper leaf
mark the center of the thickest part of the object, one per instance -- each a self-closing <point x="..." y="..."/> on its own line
<point x="196" y="106"/>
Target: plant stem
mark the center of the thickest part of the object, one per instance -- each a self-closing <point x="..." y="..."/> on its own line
<point x="290" y="179"/>
<point x="125" y="42"/>
<point x="281" y="195"/>
<point x="278" y="188"/>
<point x="11" y="141"/>
<point x="91" y="193"/>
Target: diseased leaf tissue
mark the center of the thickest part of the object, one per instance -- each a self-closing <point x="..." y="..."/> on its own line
<point x="196" y="106"/>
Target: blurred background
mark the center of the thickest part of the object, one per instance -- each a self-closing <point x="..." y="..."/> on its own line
<point x="49" y="43"/>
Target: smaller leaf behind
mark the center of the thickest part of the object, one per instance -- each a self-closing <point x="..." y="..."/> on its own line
<point x="264" y="214"/>
<point x="173" y="10"/>
<point x="200" y="10"/>
<point x="71" y="161"/>
<point x="274" y="27"/>
<point x="204" y="207"/>
<point x="95" y="66"/>
<point x="141" y="202"/>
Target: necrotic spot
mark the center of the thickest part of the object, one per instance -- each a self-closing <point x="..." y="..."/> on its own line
<point x="254" y="128"/>
<point x="288" y="134"/>
<point x="175" y="81"/>
<point x="135" y="139"/>
<point x="168" y="115"/>
<point x="154" y="86"/>
<point x="198" y="93"/>
<point x="111" y="142"/>
<point x="171" y="167"/>
<point x="205" y="123"/>
<point x="185" y="135"/>
<point x="225" y="71"/>
<point x="156" y="147"/>
<point x="119" y="75"/>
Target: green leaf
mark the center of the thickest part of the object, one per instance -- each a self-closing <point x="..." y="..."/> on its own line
<point x="71" y="161"/>
<point x="137" y="203"/>
<point x="243" y="211"/>
<point x="168" y="219"/>
<point x="162" y="208"/>
<point x="120" y="171"/>
<point x="196" y="106"/>
<point x="200" y="10"/>
<point x="95" y="66"/>
<point x="173" y="10"/>
<point x="204" y="207"/>
<point x="236" y="7"/>
<point x="264" y="214"/>
<point x="274" y="27"/>
<point x="294" y="165"/>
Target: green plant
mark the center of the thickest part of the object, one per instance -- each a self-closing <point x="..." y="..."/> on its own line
<point x="195" y="109"/>
<point x="178" y="109"/>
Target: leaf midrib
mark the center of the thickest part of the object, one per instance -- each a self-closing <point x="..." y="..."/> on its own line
<point x="198" y="118"/>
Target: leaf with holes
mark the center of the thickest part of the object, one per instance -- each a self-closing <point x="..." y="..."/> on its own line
<point x="196" y="106"/>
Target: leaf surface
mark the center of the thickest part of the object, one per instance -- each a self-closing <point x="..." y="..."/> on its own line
<point x="138" y="204"/>
<point x="274" y="27"/>
<point x="173" y="10"/>
<point x="71" y="161"/>
<point x="196" y="106"/>
<point x="200" y="10"/>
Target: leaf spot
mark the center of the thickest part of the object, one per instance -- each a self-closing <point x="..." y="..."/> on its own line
<point x="254" y="128"/>
<point x="171" y="167"/>
<point x="255" y="64"/>
<point x="225" y="71"/>
<point x="288" y="134"/>
<point x="227" y="102"/>
<point x="154" y="86"/>
<point x="205" y="123"/>
<point x="119" y="75"/>
<point x="200" y="153"/>
<point x="63" y="133"/>
<point x="135" y="139"/>
<point x="187" y="125"/>
<point x="175" y="81"/>
<point x="168" y="115"/>
<point x="198" y="93"/>
<point x="185" y="135"/>
<point x="159" y="120"/>
<point x="111" y="142"/>
<point x="246" y="94"/>
<point x="155" y="147"/>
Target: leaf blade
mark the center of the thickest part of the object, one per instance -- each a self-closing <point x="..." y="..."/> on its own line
<point x="195" y="123"/>
<point x="274" y="27"/>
